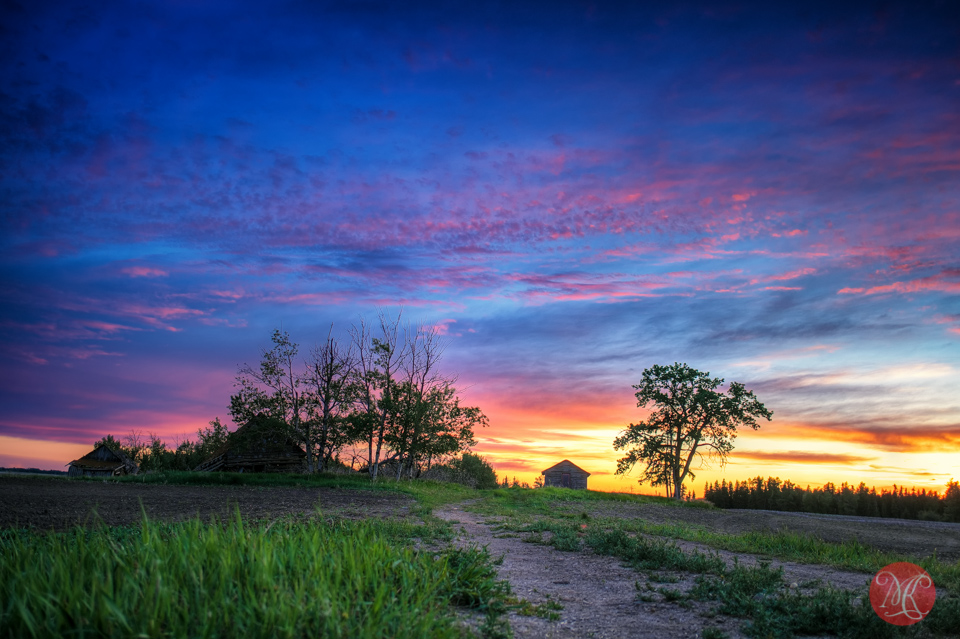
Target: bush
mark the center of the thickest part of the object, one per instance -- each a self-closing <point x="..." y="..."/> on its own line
<point x="469" y="470"/>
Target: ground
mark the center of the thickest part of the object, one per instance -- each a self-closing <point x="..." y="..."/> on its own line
<point x="598" y="595"/>
<point x="54" y="503"/>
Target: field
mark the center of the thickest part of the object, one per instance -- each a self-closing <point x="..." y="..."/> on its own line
<point x="225" y="556"/>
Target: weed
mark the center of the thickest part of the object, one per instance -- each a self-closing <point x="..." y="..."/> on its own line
<point x="548" y="609"/>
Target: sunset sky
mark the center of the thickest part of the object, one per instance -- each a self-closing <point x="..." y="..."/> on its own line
<point x="572" y="192"/>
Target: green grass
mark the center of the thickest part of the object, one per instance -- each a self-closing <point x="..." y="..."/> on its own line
<point x="429" y="494"/>
<point x="235" y="579"/>
<point x="556" y="509"/>
<point x="548" y="609"/>
<point x="757" y="593"/>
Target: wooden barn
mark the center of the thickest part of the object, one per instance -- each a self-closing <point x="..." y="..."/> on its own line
<point x="566" y="474"/>
<point x="103" y="461"/>
<point x="262" y="445"/>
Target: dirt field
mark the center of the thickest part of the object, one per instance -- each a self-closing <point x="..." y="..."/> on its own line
<point x="907" y="537"/>
<point x="54" y="503"/>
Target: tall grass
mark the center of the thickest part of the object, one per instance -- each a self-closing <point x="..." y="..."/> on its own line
<point x="344" y="579"/>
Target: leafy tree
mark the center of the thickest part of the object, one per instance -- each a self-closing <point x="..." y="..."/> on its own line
<point x="475" y="471"/>
<point x="209" y="440"/>
<point x="111" y="442"/>
<point x="951" y="501"/>
<point x="274" y="390"/>
<point x="689" y="414"/>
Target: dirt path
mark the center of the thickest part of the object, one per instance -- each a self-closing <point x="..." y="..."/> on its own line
<point x="599" y="594"/>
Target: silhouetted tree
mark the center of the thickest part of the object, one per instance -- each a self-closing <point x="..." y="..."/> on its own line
<point x="689" y="414"/>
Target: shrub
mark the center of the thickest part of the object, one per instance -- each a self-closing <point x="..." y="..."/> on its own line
<point x="476" y="470"/>
<point x="469" y="470"/>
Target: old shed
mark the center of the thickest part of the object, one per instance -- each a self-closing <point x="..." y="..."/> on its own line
<point x="566" y="474"/>
<point x="103" y="461"/>
<point x="262" y="445"/>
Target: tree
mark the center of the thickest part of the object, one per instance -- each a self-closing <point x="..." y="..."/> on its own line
<point x="951" y="501"/>
<point x="209" y="440"/>
<point x="378" y="360"/>
<point x="330" y="378"/>
<point x="420" y="383"/>
<point x="274" y="390"/>
<point x="689" y="414"/>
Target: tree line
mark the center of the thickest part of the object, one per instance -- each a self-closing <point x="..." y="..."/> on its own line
<point x="152" y="453"/>
<point x="376" y="397"/>
<point x="774" y="494"/>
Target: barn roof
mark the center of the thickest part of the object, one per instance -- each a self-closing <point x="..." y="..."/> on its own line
<point x="90" y="462"/>
<point x="566" y="464"/>
<point x="259" y="434"/>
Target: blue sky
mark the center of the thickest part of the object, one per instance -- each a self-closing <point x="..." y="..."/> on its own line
<point x="574" y="191"/>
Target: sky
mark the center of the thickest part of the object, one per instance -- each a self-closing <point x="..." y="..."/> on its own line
<point x="571" y="192"/>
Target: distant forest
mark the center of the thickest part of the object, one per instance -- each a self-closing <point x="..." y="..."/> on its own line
<point x="774" y="494"/>
<point x="34" y="471"/>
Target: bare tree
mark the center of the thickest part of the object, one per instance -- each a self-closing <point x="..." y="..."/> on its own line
<point x="331" y="378"/>
<point x="378" y="360"/>
<point x="423" y="348"/>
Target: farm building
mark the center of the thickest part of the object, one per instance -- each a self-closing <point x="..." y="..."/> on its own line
<point x="566" y="474"/>
<point x="262" y="445"/>
<point x="102" y="461"/>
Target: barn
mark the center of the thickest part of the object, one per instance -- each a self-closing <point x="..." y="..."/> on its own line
<point x="102" y="461"/>
<point x="262" y="445"/>
<point x="566" y="474"/>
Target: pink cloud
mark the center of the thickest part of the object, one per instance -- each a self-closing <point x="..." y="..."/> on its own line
<point x="940" y="282"/>
<point x="143" y="271"/>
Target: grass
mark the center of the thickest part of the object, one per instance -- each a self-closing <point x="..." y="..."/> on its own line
<point x="429" y="494"/>
<point x="548" y="609"/>
<point x="236" y="579"/>
<point x="561" y="511"/>
<point x="323" y="577"/>
<point x="757" y="593"/>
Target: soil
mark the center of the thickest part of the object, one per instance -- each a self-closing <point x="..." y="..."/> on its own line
<point x="598" y="594"/>
<point x="909" y="538"/>
<point x="53" y="503"/>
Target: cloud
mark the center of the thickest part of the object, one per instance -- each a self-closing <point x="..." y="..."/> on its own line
<point x="947" y="282"/>
<point x="802" y="457"/>
<point x="143" y="271"/>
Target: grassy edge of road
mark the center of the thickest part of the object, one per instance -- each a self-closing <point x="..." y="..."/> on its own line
<point x="758" y="593"/>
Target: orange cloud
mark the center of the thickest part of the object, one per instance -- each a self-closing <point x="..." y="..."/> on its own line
<point x="931" y="439"/>
<point x="802" y="457"/>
